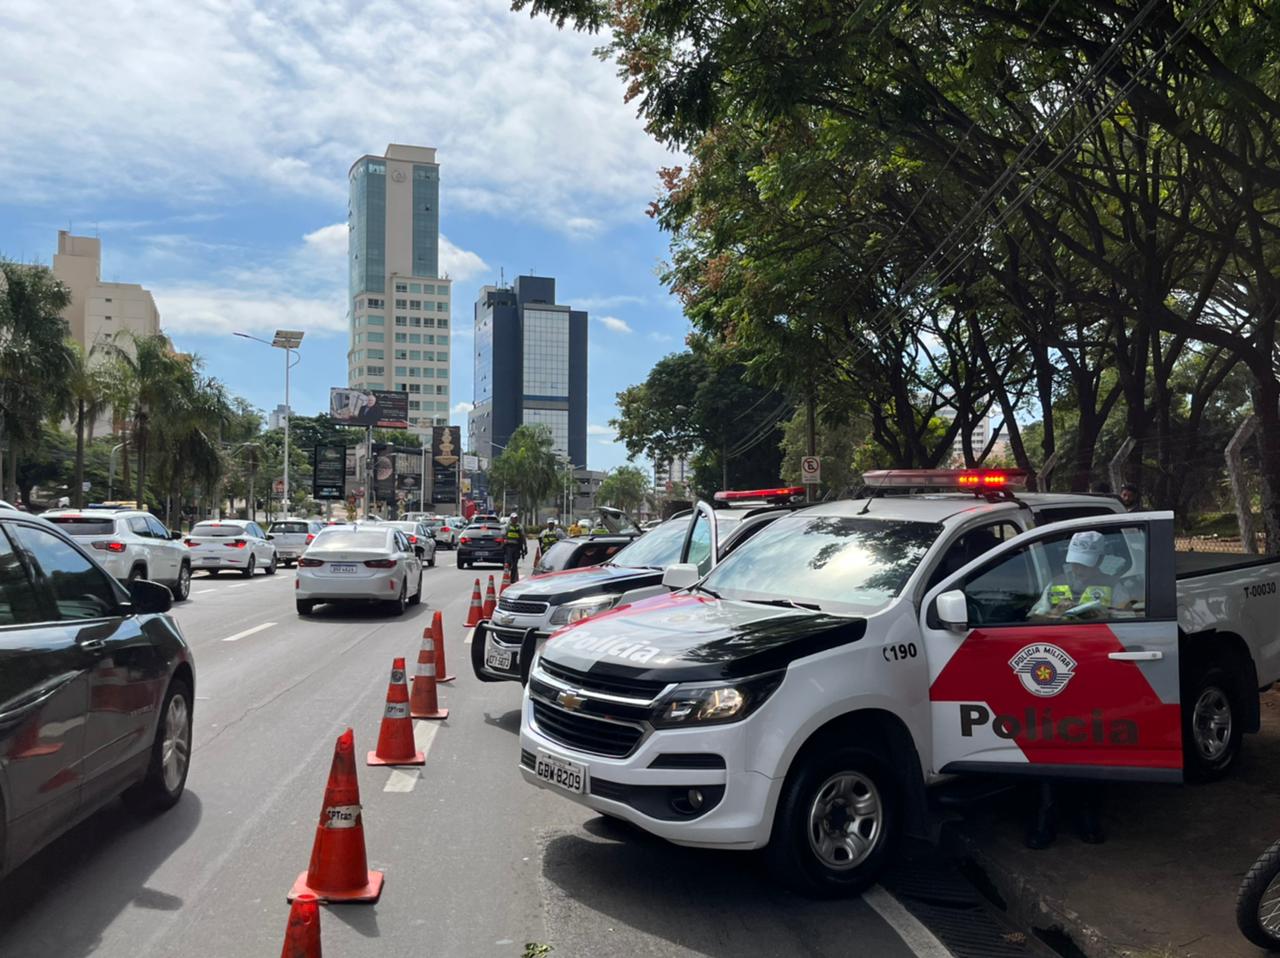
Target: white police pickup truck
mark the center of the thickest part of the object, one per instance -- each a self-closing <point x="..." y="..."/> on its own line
<point x="803" y="695"/>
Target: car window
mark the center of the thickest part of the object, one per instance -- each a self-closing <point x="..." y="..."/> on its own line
<point x="289" y="528"/>
<point x="157" y="529"/>
<point x="85" y="525"/>
<point x="215" y="530"/>
<point x="558" y="557"/>
<point x="80" y="589"/>
<point x="19" y="600"/>
<point x="1077" y="576"/>
<point x="700" y="544"/>
<point x="339" y="538"/>
<point x="138" y="526"/>
<point x="657" y="549"/>
<point x="971" y="545"/>
<point x="1066" y="513"/>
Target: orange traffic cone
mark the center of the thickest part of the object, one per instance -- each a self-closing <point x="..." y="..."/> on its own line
<point x="442" y="670"/>
<point x="490" y="601"/>
<point x="395" y="739"/>
<point x="339" y="870"/>
<point x="506" y="581"/>
<point x="537" y="557"/>
<point x="474" y="614"/>
<point x="424" y="704"/>
<point x="302" y="936"/>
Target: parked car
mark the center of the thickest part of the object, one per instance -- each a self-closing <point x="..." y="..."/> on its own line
<point x="130" y="544"/>
<point x="96" y="686"/>
<point x="292" y="536"/>
<point x="360" y="562"/>
<point x="234" y="544"/>
<point x="481" y="542"/>
<point x="423" y="542"/>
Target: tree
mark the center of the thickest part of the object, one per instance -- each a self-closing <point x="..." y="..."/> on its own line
<point x="528" y="466"/>
<point x="87" y="397"/>
<point x="34" y="360"/>
<point x="838" y="439"/>
<point x="624" y="488"/>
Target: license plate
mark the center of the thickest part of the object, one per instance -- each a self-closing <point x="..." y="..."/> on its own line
<point x="498" y="658"/>
<point x="561" y="773"/>
<point x="208" y="562"/>
<point x="345" y="568"/>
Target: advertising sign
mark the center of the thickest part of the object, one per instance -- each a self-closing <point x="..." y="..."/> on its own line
<point x="384" y="473"/>
<point x="328" y="473"/>
<point x="384" y="408"/>
<point x="446" y="454"/>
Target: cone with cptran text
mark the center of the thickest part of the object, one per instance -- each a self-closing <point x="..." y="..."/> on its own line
<point x="339" y="870"/>
<point x="302" y="936"/>
<point x="395" y="739"/>
<point x="490" y="600"/>
<point x="474" y="614"/>
<point x="506" y="581"/>
<point x="437" y="629"/>
<point x="424" y="703"/>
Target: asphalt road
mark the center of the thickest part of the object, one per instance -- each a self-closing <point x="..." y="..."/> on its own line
<point x="476" y="861"/>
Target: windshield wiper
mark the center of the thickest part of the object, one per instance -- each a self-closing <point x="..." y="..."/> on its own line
<point x="788" y="604"/>
<point x="711" y="592"/>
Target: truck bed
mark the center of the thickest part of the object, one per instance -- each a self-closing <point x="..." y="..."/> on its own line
<point x="1188" y="565"/>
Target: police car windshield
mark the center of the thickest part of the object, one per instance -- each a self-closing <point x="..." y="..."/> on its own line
<point x="656" y="549"/>
<point x="838" y="563"/>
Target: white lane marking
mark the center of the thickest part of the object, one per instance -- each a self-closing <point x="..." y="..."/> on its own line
<point x="401" y="781"/>
<point x="914" y="935"/>
<point x="203" y="591"/>
<point x="248" y="632"/>
<point x="424" y="733"/>
<point x="239" y="586"/>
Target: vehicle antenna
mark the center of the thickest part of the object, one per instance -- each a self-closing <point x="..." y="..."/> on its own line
<point x="874" y="492"/>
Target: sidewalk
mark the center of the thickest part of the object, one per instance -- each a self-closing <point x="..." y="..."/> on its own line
<point x="1165" y="881"/>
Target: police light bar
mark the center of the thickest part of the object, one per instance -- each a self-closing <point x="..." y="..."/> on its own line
<point x="967" y="479"/>
<point x="785" y="494"/>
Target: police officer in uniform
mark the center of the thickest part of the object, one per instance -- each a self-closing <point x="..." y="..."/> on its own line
<point x="1083" y="591"/>
<point x="550" y="535"/>
<point x="515" y="546"/>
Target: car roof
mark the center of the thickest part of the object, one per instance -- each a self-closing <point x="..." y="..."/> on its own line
<point x="97" y="513"/>
<point x="944" y="506"/>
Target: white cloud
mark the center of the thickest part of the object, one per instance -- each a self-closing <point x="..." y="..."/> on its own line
<point x="613" y="323"/>
<point x="462" y="408"/>
<point x="596" y="430"/>
<point x="215" y="310"/>
<point x="458" y="263"/>
<point x="606" y="442"/>
<point x="661" y="337"/>
<point x="328" y="241"/>
<point x="206" y="103"/>
<point x="604" y="302"/>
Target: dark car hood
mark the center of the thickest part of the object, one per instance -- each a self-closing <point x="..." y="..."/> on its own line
<point x="560" y="587"/>
<point x="693" y="637"/>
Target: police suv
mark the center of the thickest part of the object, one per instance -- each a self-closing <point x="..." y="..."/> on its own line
<point x="530" y="610"/>
<point x="803" y="695"/>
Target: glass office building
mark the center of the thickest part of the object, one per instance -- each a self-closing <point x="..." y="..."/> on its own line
<point x="399" y="304"/>
<point x="530" y="367"/>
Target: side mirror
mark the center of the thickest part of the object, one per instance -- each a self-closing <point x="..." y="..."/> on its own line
<point x="953" y="610"/>
<point x="175" y="536"/>
<point x="680" y="576"/>
<point x="149" y="597"/>
<point x="270" y="537"/>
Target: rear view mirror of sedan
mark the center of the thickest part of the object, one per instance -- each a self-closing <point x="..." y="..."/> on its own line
<point x="680" y="576"/>
<point x="149" y="597"/>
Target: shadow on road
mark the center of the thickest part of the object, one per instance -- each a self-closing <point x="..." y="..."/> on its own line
<point x="507" y="721"/>
<point x="359" y="918"/>
<point x="363" y="612"/>
<point x="76" y="887"/>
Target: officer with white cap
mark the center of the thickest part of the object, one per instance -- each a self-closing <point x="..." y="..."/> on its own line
<point x="1084" y="590"/>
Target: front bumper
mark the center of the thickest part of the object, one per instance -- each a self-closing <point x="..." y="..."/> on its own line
<point x="497" y="643"/>
<point x="643" y="788"/>
<point x="382" y="587"/>
<point x="237" y="561"/>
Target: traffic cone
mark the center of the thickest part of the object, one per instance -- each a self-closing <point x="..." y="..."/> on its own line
<point x="506" y="581"/>
<point x="442" y="670"/>
<point x="424" y="704"/>
<point x="490" y="601"/>
<point x="339" y="870"/>
<point x="395" y="739"/>
<point x="474" y="614"/>
<point x="302" y="935"/>
<point x="537" y="557"/>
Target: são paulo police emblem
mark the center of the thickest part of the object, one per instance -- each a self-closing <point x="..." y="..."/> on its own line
<point x="1043" y="669"/>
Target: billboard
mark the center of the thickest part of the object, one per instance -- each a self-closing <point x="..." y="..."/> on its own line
<point x="384" y="408"/>
<point x="384" y="473"/>
<point x="328" y="473"/>
<point x="446" y="455"/>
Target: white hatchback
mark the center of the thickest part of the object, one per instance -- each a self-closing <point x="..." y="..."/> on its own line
<point x="359" y="563"/>
<point x="233" y="544"/>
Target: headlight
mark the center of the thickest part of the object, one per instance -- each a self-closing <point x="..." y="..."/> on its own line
<point x="572" y="612"/>
<point x="710" y="703"/>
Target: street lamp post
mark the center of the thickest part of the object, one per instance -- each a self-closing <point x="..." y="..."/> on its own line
<point x="289" y="340"/>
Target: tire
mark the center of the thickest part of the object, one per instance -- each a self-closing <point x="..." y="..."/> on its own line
<point x="1212" y="724"/>
<point x="137" y="572"/>
<point x="431" y="563"/>
<point x="305" y="606"/>
<point x="182" y="587"/>
<point x="417" y="596"/>
<point x="275" y="561"/>
<point x="166" y="774"/>
<point x="806" y="851"/>
<point x="397" y="606"/>
<point x="1253" y="901"/>
<point x="247" y="572"/>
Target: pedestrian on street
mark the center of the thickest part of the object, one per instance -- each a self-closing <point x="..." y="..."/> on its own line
<point x="1131" y="498"/>
<point x="515" y="546"/>
<point x="550" y="535"/>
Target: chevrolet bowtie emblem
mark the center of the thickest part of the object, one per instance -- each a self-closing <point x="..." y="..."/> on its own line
<point x="570" y="701"/>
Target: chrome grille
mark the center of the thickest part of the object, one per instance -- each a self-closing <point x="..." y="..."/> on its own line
<point x="584" y="733"/>
<point x="522" y="606"/>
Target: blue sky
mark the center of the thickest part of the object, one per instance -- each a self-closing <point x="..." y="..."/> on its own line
<point x="207" y="143"/>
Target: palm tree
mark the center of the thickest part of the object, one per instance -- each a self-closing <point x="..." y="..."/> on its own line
<point x="87" y="397"/>
<point x="34" y="360"/>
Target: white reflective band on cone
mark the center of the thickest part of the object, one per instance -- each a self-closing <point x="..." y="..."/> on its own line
<point x="397" y="710"/>
<point x="428" y="645"/>
<point x="342" y="816"/>
<point x="427" y="668"/>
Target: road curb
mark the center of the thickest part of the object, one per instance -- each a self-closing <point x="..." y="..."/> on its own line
<point x="1026" y="904"/>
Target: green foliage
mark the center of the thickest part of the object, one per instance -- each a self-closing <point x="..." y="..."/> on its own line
<point x="527" y="467"/>
<point x="838" y="440"/>
<point x="624" y="488"/>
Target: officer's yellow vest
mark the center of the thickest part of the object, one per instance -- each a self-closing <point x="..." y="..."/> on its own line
<point x="1062" y="595"/>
